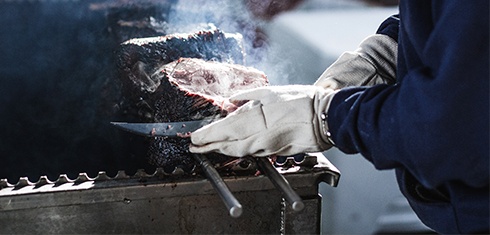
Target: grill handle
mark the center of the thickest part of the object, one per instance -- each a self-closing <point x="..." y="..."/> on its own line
<point x="233" y="205"/>
<point x="281" y="183"/>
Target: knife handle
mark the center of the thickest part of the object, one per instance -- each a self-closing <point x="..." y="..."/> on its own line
<point x="233" y="205"/>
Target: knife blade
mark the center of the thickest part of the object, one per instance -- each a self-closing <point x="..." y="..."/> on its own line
<point x="170" y="129"/>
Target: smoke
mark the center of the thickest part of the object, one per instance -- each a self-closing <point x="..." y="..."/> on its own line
<point x="57" y="56"/>
<point x="232" y="17"/>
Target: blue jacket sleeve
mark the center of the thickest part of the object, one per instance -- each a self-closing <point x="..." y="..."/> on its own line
<point x="390" y="27"/>
<point x="434" y="121"/>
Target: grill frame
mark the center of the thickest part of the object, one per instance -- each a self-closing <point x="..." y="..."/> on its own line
<point x="157" y="204"/>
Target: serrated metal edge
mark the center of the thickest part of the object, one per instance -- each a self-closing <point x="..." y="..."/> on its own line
<point x="81" y="178"/>
<point x="140" y="174"/>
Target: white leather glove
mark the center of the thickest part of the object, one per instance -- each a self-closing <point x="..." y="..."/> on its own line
<point x="281" y="120"/>
<point x="374" y="62"/>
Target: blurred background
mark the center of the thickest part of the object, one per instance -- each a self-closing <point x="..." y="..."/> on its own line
<point x="58" y="90"/>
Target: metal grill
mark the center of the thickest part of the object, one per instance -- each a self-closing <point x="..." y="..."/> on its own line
<point x="159" y="203"/>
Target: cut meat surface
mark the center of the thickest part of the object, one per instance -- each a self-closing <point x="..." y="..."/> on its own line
<point x="213" y="80"/>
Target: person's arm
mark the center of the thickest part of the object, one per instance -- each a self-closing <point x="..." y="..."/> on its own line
<point x="372" y="63"/>
<point x="286" y="120"/>
<point x="435" y="120"/>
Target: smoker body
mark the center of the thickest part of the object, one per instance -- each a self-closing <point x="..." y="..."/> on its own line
<point x="164" y="204"/>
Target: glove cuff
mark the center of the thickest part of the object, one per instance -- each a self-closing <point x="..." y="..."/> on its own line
<point x="374" y="62"/>
<point x="322" y="102"/>
<point x="325" y="130"/>
<point x="381" y="51"/>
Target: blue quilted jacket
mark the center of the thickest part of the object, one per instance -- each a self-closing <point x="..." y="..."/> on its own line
<point x="432" y="126"/>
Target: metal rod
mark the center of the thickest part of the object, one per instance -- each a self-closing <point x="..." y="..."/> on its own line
<point x="281" y="183"/>
<point x="233" y="205"/>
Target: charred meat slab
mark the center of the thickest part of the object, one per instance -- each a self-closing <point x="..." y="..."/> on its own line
<point x="193" y="89"/>
<point x="182" y="78"/>
<point x="138" y="59"/>
<point x="148" y="53"/>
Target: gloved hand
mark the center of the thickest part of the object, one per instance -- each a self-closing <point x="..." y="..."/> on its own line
<point x="374" y="62"/>
<point x="281" y="120"/>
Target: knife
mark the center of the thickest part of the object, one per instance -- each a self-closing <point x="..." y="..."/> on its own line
<point x="170" y="129"/>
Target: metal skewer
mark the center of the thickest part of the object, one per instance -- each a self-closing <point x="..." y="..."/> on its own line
<point x="281" y="183"/>
<point x="233" y="205"/>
